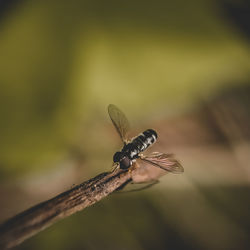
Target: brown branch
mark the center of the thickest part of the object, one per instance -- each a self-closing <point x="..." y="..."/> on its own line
<point x="30" y="222"/>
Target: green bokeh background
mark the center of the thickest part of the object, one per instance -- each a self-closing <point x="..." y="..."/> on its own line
<point x="62" y="63"/>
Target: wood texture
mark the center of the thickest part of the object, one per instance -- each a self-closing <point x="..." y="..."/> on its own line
<point x="30" y="222"/>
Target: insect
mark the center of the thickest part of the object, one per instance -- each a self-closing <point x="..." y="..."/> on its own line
<point x="133" y="148"/>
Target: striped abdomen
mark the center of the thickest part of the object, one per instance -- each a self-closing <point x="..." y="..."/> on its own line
<point x="140" y="143"/>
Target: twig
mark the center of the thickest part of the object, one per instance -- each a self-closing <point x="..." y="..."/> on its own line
<point x="30" y="222"/>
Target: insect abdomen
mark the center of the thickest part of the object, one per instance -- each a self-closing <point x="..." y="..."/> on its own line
<point x="145" y="139"/>
<point x="140" y="143"/>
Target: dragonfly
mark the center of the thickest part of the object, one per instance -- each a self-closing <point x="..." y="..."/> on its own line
<point x="131" y="155"/>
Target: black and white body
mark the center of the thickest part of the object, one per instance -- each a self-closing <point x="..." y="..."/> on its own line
<point x="133" y="149"/>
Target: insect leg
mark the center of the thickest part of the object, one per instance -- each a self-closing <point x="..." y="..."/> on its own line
<point x="149" y="184"/>
<point x="114" y="167"/>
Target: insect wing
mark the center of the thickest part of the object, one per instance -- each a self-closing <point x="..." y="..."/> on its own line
<point x="164" y="161"/>
<point x="119" y="120"/>
<point x="143" y="176"/>
<point x="145" y="172"/>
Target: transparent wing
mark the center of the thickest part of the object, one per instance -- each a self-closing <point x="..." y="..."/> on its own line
<point x="164" y="161"/>
<point x="119" y="120"/>
<point x="145" y="172"/>
<point x="143" y="176"/>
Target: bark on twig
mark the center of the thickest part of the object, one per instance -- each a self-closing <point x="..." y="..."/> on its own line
<point x="30" y="222"/>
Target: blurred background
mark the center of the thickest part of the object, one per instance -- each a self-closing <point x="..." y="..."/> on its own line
<point x="182" y="68"/>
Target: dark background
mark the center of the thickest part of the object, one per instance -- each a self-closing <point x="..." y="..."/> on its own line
<point x="179" y="67"/>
